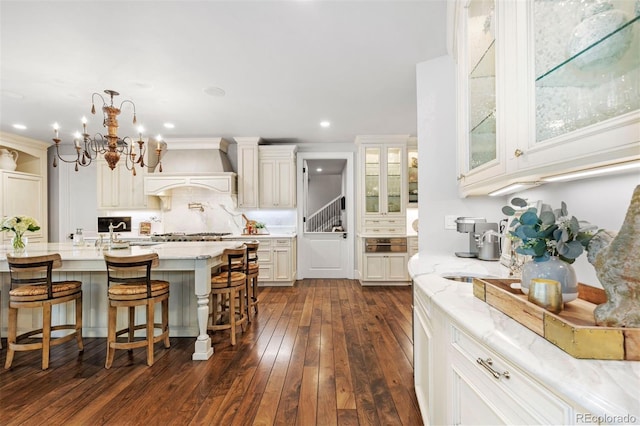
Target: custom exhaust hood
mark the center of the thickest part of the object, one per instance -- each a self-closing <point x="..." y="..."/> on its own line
<point x="200" y="163"/>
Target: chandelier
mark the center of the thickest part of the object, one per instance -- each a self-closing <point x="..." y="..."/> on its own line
<point x="111" y="146"/>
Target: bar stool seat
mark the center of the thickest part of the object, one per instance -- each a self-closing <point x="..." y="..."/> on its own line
<point x="130" y="285"/>
<point x="32" y="286"/>
<point x="228" y="294"/>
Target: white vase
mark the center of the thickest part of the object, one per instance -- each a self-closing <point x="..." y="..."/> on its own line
<point x="552" y="269"/>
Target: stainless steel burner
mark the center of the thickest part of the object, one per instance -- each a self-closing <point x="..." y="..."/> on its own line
<point x="180" y="236"/>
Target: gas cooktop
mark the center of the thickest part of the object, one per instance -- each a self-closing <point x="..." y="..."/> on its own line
<point x="179" y="236"/>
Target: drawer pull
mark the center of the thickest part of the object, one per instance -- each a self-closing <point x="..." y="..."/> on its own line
<point x="487" y="363"/>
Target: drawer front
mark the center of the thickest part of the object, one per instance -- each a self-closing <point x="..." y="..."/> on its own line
<point x="282" y="242"/>
<point x="264" y="256"/>
<point x="384" y="226"/>
<point x="520" y="398"/>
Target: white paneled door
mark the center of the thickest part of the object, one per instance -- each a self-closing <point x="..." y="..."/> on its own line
<point x="326" y="249"/>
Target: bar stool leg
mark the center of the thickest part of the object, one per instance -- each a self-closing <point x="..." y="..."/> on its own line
<point x="132" y="324"/>
<point x="11" y="335"/>
<point x="46" y="334"/>
<point x="78" y="303"/>
<point x="165" y="321"/>
<point x="111" y="335"/>
<point x="232" y="316"/>
<point x="150" y="318"/>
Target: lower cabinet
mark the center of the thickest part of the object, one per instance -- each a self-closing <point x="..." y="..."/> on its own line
<point x="277" y="260"/>
<point x="385" y="267"/>
<point x="460" y="381"/>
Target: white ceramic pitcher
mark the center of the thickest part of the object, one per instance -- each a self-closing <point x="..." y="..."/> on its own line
<point x="8" y="159"/>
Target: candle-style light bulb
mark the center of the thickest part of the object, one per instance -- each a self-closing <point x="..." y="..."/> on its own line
<point x="56" y="127"/>
<point x="140" y="131"/>
<point x="84" y="124"/>
<point x="158" y="139"/>
<point x="76" y="137"/>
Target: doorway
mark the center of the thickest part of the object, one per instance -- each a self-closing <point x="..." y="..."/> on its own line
<point x="325" y="215"/>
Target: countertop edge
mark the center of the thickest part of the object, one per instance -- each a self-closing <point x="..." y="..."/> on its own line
<point x="599" y="386"/>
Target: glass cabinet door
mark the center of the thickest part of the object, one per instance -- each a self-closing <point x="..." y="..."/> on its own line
<point x="372" y="180"/>
<point x="587" y="65"/>
<point x="394" y="180"/>
<point x="412" y="177"/>
<point x="481" y="82"/>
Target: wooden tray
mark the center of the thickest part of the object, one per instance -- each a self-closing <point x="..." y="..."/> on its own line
<point x="573" y="330"/>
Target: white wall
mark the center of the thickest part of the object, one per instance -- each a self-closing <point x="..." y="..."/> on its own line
<point x="602" y="201"/>
<point x="322" y="189"/>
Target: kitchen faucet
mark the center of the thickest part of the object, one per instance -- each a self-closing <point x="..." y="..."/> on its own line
<point x="111" y="228"/>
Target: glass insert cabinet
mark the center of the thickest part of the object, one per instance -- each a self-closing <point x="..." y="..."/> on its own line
<point x="383" y="179"/>
<point x="545" y="87"/>
<point x="586" y="63"/>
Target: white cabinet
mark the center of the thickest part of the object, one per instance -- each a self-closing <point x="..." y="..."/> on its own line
<point x="120" y="189"/>
<point x="23" y="191"/>
<point x="461" y="381"/>
<point x="248" y="179"/>
<point x="486" y="389"/>
<point x="277" y="175"/>
<point x="529" y="109"/>
<point x="383" y="183"/>
<point x="22" y="195"/>
<point x="277" y="259"/>
<point x="385" y="267"/>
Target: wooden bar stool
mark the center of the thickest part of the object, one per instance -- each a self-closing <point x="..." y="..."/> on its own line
<point x="252" y="272"/>
<point x="32" y="287"/>
<point x="228" y="294"/>
<point x="130" y="285"/>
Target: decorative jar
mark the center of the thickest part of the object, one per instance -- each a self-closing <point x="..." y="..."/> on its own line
<point x="552" y="269"/>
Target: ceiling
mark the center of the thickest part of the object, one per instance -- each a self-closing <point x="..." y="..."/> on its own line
<point x="282" y="66"/>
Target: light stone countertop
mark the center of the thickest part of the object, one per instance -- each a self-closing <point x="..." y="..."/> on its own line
<point x="270" y="235"/>
<point x="602" y="387"/>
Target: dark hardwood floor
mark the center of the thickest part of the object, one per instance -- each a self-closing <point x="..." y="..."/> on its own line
<point x="323" y="352"/>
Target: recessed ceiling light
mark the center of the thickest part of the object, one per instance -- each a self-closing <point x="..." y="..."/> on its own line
<point x="169" y="125"/>
<point x="325" y="124"/>
<point x="214" y="91"/>
<point x="318" y="169"/>
<point x="19" y="126"/>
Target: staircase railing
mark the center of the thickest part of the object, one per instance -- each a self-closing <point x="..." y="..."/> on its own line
<point x="326" y="217"/>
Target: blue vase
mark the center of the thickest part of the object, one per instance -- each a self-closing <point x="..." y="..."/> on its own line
<point x="552" y="269"/>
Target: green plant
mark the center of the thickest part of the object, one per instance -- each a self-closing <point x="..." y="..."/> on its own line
<point x="548" y="232"/>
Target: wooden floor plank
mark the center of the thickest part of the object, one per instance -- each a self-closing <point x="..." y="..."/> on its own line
<point x="326" y="352"/>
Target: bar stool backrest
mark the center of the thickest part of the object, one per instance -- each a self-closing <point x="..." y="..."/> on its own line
<point x="235" y="259"/>
<point x="131" y="269"/>
<point x="252" y="253"/>
<point x="34" y="270"/>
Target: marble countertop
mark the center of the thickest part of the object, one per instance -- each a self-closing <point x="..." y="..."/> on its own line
<point x="269" y="235"/>
<point x="601" y="387"/>
<point x="168" y="250"/>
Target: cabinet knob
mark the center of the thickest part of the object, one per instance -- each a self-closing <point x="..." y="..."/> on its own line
<point x="518" y="152"/>
<point x="460" y="177"/>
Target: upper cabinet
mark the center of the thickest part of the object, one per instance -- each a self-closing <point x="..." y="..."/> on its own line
<point x="248" y="179"/>
<point x="383" y="179"/>
<point x="277" y="176"/>
<point x="23" y="182"/>
<point x="120" y="189"/>
<point x="545" y="88"/>
<point x="412" y="173"/>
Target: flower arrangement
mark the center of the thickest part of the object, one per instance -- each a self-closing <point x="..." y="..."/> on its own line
<point x="548" y="232"/>
<point x="19" y="225"/>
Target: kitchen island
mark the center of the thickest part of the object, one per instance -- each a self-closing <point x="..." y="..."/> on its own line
<point x="187" y="266"/>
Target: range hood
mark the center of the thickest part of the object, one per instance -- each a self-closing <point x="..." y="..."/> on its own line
<point x="198" y="163"/>
<point x="196" y="156"/>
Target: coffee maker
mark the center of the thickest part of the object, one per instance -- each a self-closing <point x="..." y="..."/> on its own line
<point x="484" y="239"/>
